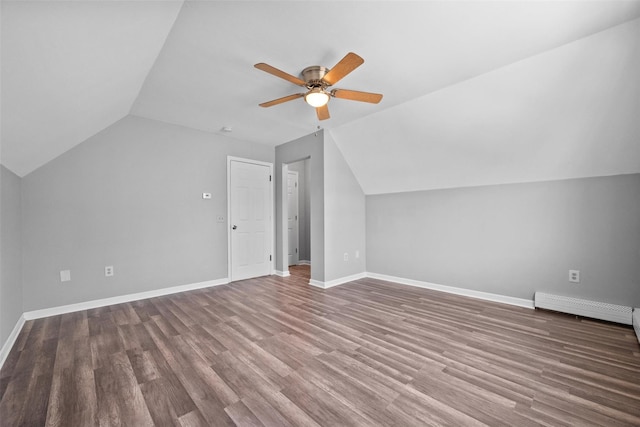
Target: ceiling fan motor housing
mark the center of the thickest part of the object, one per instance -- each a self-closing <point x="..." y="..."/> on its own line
<point x="313" y="76"/>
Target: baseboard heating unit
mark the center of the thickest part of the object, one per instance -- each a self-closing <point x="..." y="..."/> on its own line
<point x="586" y="308"/>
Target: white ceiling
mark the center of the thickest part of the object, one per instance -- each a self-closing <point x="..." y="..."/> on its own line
<point x="570" y="112"/>
<point x="71" y="69"/>
<point x="474" y="92"/>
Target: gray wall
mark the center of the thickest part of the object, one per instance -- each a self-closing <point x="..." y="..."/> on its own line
<point x="337" y="208"/>
<point x="344" y="210"/>
<point x="514" y="239"/>
<point x="304" y="207"/>
<point x="131" y="197"/>
<point x="308" y="147"/>
<point x="10" y="253"/>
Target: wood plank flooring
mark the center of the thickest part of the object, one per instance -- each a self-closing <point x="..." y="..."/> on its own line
<point x="302" y="270"/>
<point x="277" y="352"/>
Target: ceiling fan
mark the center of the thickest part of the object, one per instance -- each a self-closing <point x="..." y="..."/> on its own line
<point x="317" y="80"/>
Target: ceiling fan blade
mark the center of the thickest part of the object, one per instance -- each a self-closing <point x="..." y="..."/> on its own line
<point x="354" y="95"/>
<point x="346" y="65"/>
<point x="281" y="100"/>
<point x="323" y="112"/>
<point x="279" y="73"/>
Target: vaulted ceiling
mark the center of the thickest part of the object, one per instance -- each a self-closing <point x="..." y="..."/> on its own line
<point x="475" y="92"/>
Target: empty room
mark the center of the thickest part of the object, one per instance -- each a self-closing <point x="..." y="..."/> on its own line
<point x="319" y="213"/>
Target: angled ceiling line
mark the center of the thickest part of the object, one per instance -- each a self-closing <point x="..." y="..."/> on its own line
<point x="164" y="43"/>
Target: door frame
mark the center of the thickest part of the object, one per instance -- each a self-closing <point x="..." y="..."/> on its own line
<point x="271" y="204"/>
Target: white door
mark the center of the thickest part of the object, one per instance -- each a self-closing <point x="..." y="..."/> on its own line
<point x="292" y="216"/>
<point x="250" y="219"/>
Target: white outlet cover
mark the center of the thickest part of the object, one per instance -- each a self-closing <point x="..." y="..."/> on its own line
<point x="206" y="195"/>
<point x="574" y="276"/>
<point x="108" y="271"/>
<point x="65" y="275"/>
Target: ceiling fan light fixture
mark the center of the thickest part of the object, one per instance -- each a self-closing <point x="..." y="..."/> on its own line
<point x="317" y="97"/>
<point x="318" y="80"/>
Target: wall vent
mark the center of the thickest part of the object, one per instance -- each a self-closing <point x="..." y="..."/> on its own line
<point x="586" y="308"/>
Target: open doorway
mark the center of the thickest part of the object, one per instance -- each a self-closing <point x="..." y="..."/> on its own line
<point x="298" y="218"/>
<point x="311" y="149"/>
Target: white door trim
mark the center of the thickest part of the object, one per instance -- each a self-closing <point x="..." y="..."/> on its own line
<point x="271" y="204"/>
<point x="296" y="256"/>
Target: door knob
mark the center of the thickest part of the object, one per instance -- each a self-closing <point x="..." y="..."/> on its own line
<point x="234" y="227"/>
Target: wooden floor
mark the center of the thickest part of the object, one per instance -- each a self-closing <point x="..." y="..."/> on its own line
<point x="278" y="352"/>
<point x="301" y="271"/>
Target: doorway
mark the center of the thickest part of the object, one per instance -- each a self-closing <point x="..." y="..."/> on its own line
<point x="297" y="176"/>
<point x="250" y="205"/>
<point x="309" y="150"/>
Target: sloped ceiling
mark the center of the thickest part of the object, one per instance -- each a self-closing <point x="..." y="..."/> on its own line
<point x="474" y="92"/>
<point x="71" y="69"/>
<point x="567" y="113"/>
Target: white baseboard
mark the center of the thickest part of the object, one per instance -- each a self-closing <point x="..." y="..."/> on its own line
<point x="636" y="322"/>
<point x="304" y="262"/>
<point x="336" y="282"/>
<point x="11" y="340"/>
<point x="282" y="273"/>
<point x="54" y="311"/>
<point x="520" y="302"/>
<point x="317" y="283"/>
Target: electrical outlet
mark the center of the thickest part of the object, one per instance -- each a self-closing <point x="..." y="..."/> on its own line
<point x="346" y="256"/>
<point x="220" y="218"/>
<point x="206" y="195"/>
<point x="357" y="254"/>
<point x="574" y="276"/>
<point x="108" y="271"/>
<point x="65" y="275"/>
